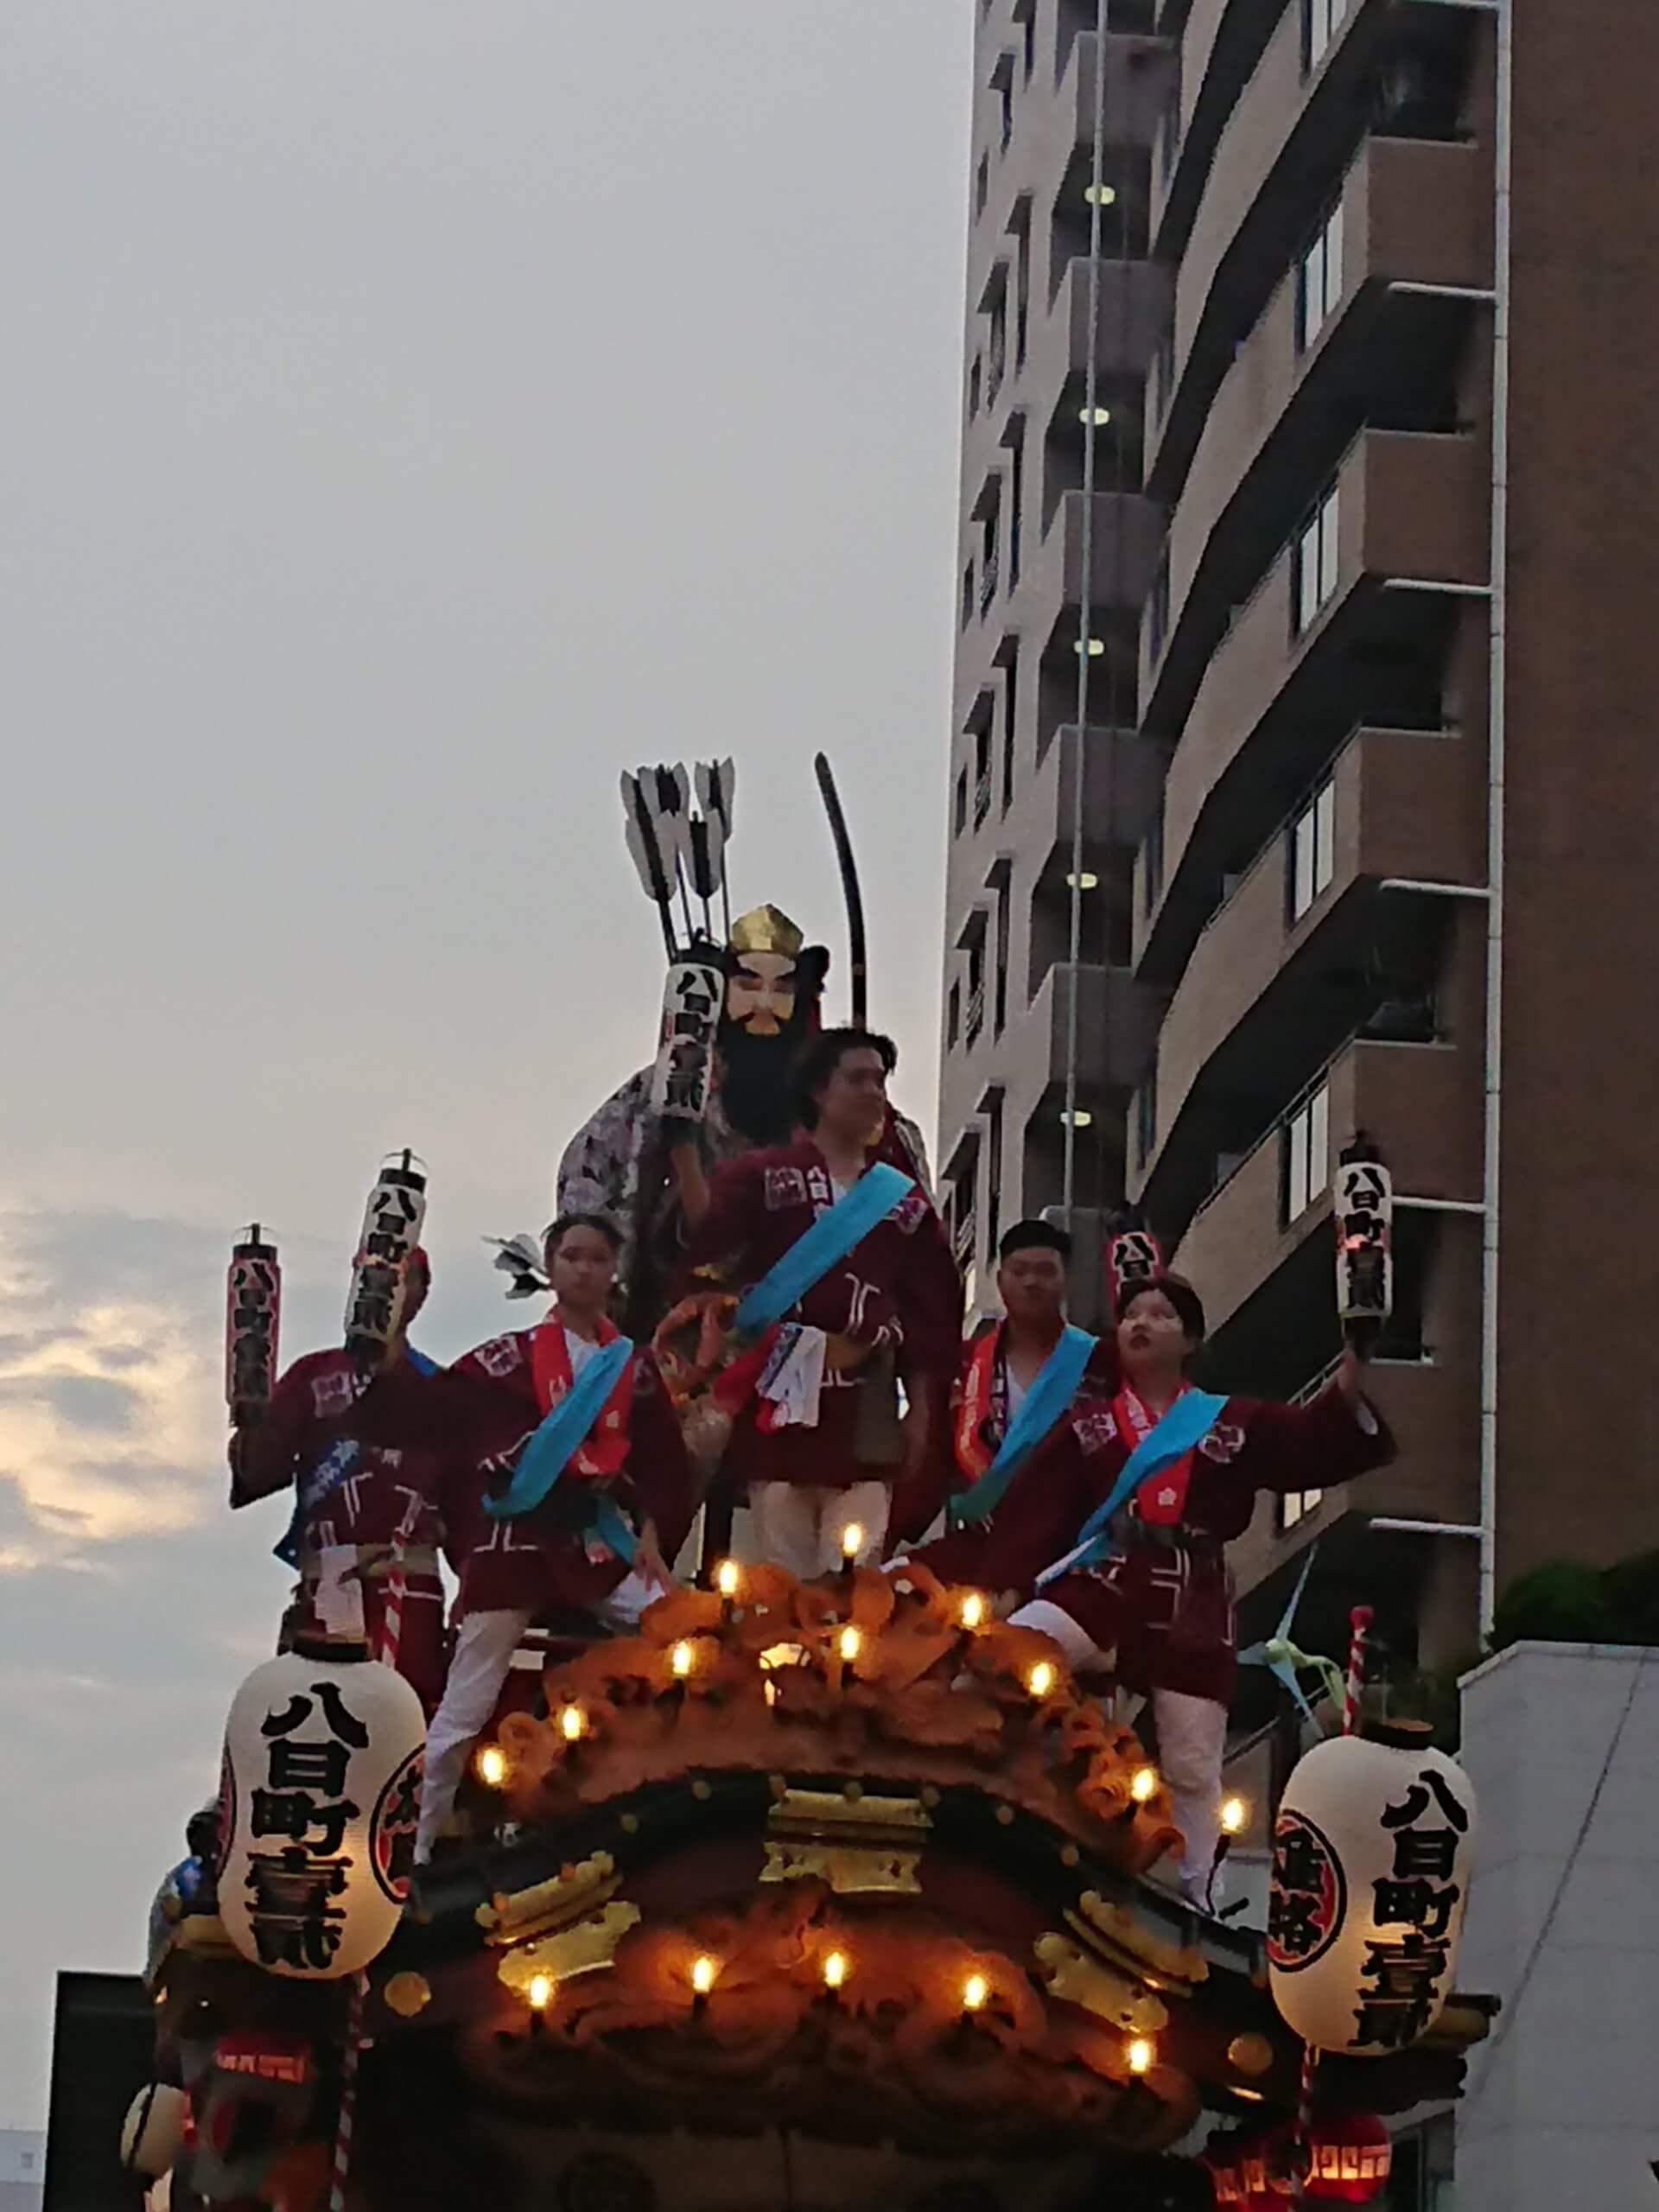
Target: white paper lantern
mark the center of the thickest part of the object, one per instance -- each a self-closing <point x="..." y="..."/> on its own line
<point x="322" y="1772"/>
<point x="152" y="2134"/>
<point x="1372" y="1853"/>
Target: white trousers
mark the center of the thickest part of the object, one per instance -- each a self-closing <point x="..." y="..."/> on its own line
<point x="800" y="1528"/>
<point x="1191" y="1739"/>
<point x="485" y="1643"/>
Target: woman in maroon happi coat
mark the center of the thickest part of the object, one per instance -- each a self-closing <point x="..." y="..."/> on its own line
<point x="1157" y="1615"/>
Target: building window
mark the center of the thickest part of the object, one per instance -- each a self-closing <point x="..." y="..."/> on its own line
<point x="1004" y="84"/>
<point x="953" y="1015"/>
<point x="1146" y="1116"/>
<point x="1158" y="607"/>
<point x="1152" y="862"/>
<point x="1313" y="848"/>
<point x="1319" y="280"/>
<point x="1010" y="701"/>
<point x="961" y="809"/>
<point x="1316" y="561"/>
<point x="1307" y="1153"/>
<point x="1295" y="1505"/>
<point x="1025" y="13"/>
<point x="1163" y="376"/>
<point x="1321" y="20"/>
<point x="976" y="1020"/>
<point x="982" y="184"/>
<point x="968" y="594"/>
<point x="975" y="377"/>
<point x="1169" y="128"/>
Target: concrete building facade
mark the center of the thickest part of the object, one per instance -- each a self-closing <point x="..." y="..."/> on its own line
<point x="1367" y="798"/>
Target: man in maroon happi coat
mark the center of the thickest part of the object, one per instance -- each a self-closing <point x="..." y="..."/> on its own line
<point x="355" y="1446"/>
<point x="819" y="1445"/>
<point x="1157" y="1615"/>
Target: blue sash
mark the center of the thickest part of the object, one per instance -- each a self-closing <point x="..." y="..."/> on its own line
<point x="830" y="1238"/>
<point x="563" y="1431"/>
<point x="1185" y="1425"/>
<point x="331" y="1470"/>
<point x="1047" y="1402"/>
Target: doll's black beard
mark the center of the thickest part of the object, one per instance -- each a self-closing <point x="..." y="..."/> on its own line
<point x="755" y="1087"/>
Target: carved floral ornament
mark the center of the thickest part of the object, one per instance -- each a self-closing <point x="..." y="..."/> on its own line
<point x="857" y="1676"/>
<point x="798" y="1996"/>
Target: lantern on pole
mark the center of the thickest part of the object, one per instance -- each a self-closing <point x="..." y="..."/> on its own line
<point x="1364" y="1212"/>
<point x="1372" y="1853"/>
<point x="253" y="1304"/>
<point x="321" y="1793"/>
<point x="392" y="1221"/>
<point x="1133" y="1257"/>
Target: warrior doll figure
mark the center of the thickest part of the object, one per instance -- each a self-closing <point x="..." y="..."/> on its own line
<point x="736" y="1016"/>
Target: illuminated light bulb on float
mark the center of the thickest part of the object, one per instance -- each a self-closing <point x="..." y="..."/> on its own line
<point x="705" y="1973"/>
<point x="540" y="1992"/>
<point x="332" y="1742"/>
<point x="1041" y="1679"/>
<point x="834" y="1970"/>
<point x="1235" y="1816"/>
<point x="491" y="1766"/>
<point x="729" y="1579"/>
<point x="972" y="1614"/>
<point x="849" y="1643"/>
<point x="1140" y="2054"/>
<point x="573" y="1724"/>
<point x="976" y="1993"/>
<point x="1143" y="1788"/>
<point x="681" y="1660"/>
<point x="852" y="1542"/>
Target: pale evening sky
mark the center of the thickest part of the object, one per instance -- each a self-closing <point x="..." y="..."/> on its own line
<point x="410" y="416"/>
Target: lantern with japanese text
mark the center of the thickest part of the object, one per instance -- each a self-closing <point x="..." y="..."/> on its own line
<point x="1133" y="1257"/>
<point x="254" y="1304"/>
<point x="682" y="1074"/>
<point x="321" y="1793"/>
<point x="1364" y="1212"/>
<point x="1371" y="1857"/>
<point x="392" y="1221"/>
<point x="1348" y="2161"/>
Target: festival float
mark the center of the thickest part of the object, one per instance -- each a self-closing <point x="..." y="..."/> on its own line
<point x="832" y="1891"/>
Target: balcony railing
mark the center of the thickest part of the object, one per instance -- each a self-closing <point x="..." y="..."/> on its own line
<point x="981" y="803"/>
<point x="988" y="584"/>
<point x="976" y="1020"/>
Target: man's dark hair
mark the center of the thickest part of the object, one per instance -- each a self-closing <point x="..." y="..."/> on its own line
<point x="606" y="1227"/>
<point x="823" y="1054"/>
<point x="1034" y="1236"/>
<point x="1181" y="1295"/>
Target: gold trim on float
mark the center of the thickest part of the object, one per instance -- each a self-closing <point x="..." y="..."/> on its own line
<point x="586" y="1946"/>
<point x="516" y="1916"/>
<point x="406" y="1994"/>
<point x="1075" y="1978"/>
<point x="1116" y="1932"/>
<point x="859" y="1844"/>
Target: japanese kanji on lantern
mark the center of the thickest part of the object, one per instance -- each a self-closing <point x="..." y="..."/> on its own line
<point x="321" y="1781"/>
<point x="1348" y="2162"/>
<point x="1364" y="1212"/>
<point x="253" y="1300"/>
<point x="1133" y="1257"/>
<point x="1372" y="1852"/>
<point x="392" y="1221"/>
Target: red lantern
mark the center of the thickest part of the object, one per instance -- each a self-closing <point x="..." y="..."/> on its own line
<point x="1352" y="2157"/>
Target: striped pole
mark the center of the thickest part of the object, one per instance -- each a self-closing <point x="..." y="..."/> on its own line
<point x="391" y="1619"/>
<point x="1359" y="1623"/>
<point x="349" y="2096"/>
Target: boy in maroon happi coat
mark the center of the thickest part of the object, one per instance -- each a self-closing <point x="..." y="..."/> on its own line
<point x="356" y="1448"/>
<point x="821" y="1462"/>
<point x="1157" y="1615"/>
<point x="550" y="1559"/>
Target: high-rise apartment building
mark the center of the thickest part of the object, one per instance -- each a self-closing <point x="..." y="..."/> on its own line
<point x="1326" y="473"/>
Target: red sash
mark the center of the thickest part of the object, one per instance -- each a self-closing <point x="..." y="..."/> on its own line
<point x="1163" y="1502"/>
<point x="603" y="1452"/>
<point x="981" y="1406"/>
